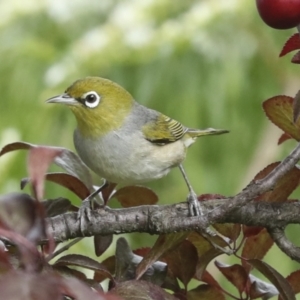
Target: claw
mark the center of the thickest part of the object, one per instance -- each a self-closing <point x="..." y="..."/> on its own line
<point x="85" y="211"/>
<point x="194" y="205"/>
<point x="84" y="214"/>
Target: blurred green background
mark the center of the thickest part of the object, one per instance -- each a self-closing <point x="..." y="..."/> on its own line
<point x="207" y="63"/>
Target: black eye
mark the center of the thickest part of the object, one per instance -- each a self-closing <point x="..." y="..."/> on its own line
<point x="91" y="99"/>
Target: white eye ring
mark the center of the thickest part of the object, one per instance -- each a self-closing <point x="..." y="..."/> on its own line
<point x="91" y="99"/>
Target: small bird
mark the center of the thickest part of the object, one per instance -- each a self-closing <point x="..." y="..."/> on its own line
<point x="123" y="141"/>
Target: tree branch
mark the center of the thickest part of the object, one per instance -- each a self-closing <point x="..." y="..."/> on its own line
<point x="284" y="244"/>
<point x="258" y="187"/>
<point x="156" y="219"/>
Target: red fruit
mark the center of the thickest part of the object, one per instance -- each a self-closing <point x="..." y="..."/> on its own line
<point x="279" y="14"/>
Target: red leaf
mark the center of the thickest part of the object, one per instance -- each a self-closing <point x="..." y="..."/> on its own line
<point x="55" y="207"/>
<point x="296" y="107"/>
<point x="231" y="231"/>
<point x="67" y="160"/>
<point x="101" y="243"/>
<point x="16" y="146"/>
<point x="294" y="280"/>
<point x="207" y="197"/>
<point x="138" y="289"/>
<point x="84" y="262"/>
<point x="75" y="289"/>
<point x="206" y="251"/>
<point x="296" y="58"/>
<point x="210" y="280"/>
<point x="65" y="271"/>
<point x="182" y="261"/>
<point x="39" y="159"/>
<point x="110" y="265"/>
<point x="279" y="110"/>
<point x="201" y="244"/>
<point x="261" y="289"/>
<point x="164" y="243"/>
<point x="236" y="274"/>
<point x="30" y="286"/>
<point x="251" y="230"/>
<point x="46" y="286"/>
<point x="70" y="182"/>
<point x="256" y="247"/>
<point x="108" y="191"/>
<point x="284" y="288"/>
<point x="142" y="251"/>
<point x="204" y="260"/>
<point x="5" y="259"/>
<point x="205" y="291"/>
<point x="283" y="187"/>
<point x="293" y="43"/>
<point x="130" y="196"/>
<point x="22" y="214"/>
<point x="284" y="137"/>
<point x="127" y="261"/>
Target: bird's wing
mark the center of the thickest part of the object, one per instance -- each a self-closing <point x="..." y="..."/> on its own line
<point x="163" y="130"/>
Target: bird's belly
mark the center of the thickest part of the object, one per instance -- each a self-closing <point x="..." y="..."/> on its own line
<point x="118" y="160"/>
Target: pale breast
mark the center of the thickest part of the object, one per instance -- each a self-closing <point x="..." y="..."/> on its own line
<point x="127" y="157"/>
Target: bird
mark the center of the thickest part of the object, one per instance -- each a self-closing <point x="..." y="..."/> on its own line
<point x="125" y="142"/>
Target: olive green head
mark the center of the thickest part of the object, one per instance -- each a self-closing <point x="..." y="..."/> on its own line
<point x="98" y="104"/>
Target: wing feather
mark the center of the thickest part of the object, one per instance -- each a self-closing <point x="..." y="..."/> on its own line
<point x="163" y="130"/>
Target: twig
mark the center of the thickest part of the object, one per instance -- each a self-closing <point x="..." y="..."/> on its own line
<point x="261" y="186"/>
<point x="284" y="244"/>
<point x="64" y="248"/>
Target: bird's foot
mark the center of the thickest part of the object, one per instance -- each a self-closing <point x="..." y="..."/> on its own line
<point x="194" y="205"/>
<point x="85" y="213"/>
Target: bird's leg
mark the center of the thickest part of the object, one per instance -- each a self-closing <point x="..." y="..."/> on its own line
<point x="84" y="213"/>
<point x="194" y="205"/>
<point x="90" y="198"/>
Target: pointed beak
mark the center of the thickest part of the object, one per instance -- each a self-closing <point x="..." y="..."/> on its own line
<point x="211" y="131"/>
<point x="207" y="131"/>
<point x="64" y="99"/>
